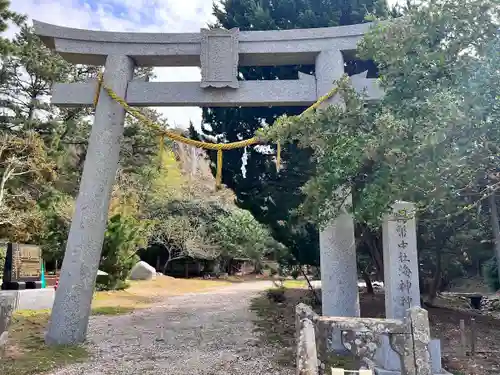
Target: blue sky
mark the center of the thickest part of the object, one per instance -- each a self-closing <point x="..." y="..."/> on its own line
<point x="130" y="15"/>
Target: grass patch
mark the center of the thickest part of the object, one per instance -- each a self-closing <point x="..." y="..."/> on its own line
<point x="295" y="284"/>
<point x="275" y="321"/>
<point x="26" y="352"/>
<point x="111" y="310"/>
<point x="274" y="328"/>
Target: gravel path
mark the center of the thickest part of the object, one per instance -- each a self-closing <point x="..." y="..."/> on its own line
<point x="208" y="333"/>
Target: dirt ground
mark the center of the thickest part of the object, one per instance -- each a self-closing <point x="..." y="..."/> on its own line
<point x="278" y="321"/>
<point x="209" y="333"/>
<point x="26" y="352"/>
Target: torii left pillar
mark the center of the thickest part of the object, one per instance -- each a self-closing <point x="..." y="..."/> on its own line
<point x="72" y="305"/>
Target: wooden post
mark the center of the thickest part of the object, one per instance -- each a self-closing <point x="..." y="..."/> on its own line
<point x="472" y="336"/>
<point x="463" y="339"/>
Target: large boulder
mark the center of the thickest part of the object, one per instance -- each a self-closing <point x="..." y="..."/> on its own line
<point x="142" y="271"/>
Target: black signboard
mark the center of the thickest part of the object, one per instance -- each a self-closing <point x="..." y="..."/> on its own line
<point x="22" y="268"/>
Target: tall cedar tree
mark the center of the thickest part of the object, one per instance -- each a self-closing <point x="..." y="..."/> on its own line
<point x="270" y="196"/>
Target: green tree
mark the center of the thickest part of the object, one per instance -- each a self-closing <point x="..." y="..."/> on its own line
<point x="184" y="236"/>
<point x="25" y="169"/>
<point x="7" y="16"/>
<point x="490" y="272"/>
<point x="482" y="92"/>
<point x="272" y="197"/>
<point x="3" y="253"/>
<point x="239" y="235"/>
<point x="431" y="140"/>
<point x="28" y="75"/>
<point x="57" y="209"/>
<point x="124" y="236"/>
<point x="422" y="134"/>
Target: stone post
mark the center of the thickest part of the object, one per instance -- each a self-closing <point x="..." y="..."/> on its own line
<point x="339" y="280"/>
<point x="307" y="356"/>
<point x="339" y="276"/>
<point x="71" y="310"/>
<point x="421" y="337"/>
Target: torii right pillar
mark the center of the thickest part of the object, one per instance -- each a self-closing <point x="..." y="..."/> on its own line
<point x="339" y="276"/>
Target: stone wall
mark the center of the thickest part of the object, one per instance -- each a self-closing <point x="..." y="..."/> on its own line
<point x="408" y="337"/>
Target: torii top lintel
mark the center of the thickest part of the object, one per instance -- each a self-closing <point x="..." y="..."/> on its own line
<point x="255" y="48"/>
<point x="218" y="52"/>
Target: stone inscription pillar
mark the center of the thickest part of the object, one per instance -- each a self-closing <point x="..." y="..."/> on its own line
<point x="71" y="310"/>
<point x="339" y="280"/>
<point x="401" y="282"/>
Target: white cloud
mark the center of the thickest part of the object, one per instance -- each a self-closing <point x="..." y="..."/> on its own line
<point x="130" y="15"/>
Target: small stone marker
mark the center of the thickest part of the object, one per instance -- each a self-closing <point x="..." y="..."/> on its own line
<point x="463" y="339"/>
<point x="22" y="269"/>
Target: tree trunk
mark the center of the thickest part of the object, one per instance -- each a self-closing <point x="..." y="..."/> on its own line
<point x="495" y="227"/>
<point x="434" y="287"/>
<point x="311" y="288"/>
<point x="31" y="111"/>
<point x="376" y="256"/>
<point x="166" y="264"/>
<point x="368" y="281"/>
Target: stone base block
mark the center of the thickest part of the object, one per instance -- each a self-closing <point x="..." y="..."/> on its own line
<point x="381" y="371"/>
<point x="335" y="345"/>
<point x="385" y="357"/>
<point x="32" y="299"/>
<point x="390" y="363"/>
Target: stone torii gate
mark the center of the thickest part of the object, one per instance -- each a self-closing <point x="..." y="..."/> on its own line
<point x="218" y="53"/>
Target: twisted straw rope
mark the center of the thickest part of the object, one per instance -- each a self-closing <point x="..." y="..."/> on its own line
<point x="219" y="147"/>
